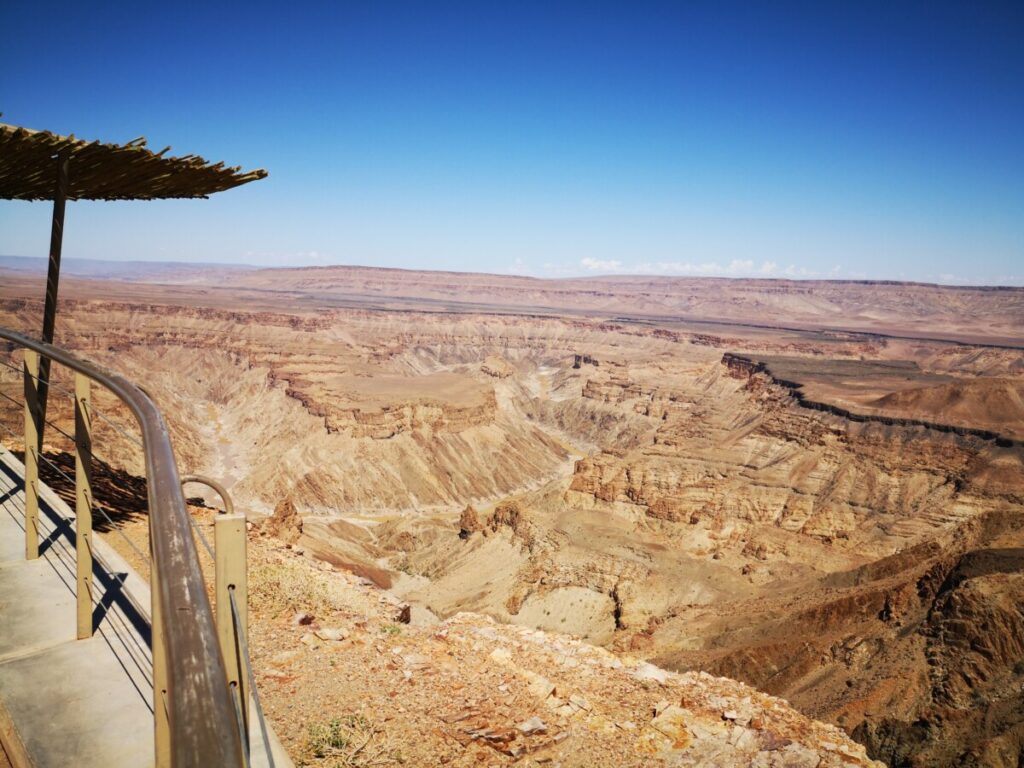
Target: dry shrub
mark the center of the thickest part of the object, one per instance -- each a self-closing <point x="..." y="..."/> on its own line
<point x="350" y="742"/>
<point x="291" y="586"/>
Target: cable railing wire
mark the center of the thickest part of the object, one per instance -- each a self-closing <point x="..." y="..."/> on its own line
<point x="244" y="654"/>
<point x="58" y="470"/>
<point x="199" y="721"/>
<point x="202" y="538"/>
<point x="119" y="429"/>
<point x="47" y="421"/>
<point x="48" y="382"/>
<point x="243" y="648"/>
<point x="240" y="721"/>
<point x="115" y="527"/>
<point x="57" y="429"/>
<point x="57" y="388"/>
<point x="96" y="508"/>
<point x="119" y="532"/>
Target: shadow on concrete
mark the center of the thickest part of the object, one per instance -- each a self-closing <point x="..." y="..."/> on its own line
<point x="111" y="583"/>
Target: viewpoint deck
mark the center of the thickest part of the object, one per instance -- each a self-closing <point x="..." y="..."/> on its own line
<point x="65" y="701"/>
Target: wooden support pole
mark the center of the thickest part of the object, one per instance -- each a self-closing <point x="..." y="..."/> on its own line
<point x="60" y="196"/>
<point x="230" y="554"/>
<point x="161" y="718"/>
<point x="83" y="504"/>
<point x="32" y="446"/>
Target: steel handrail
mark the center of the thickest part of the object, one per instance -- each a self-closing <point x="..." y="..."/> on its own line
<point x="199" y="706"/>
<point x="209" y="482"/>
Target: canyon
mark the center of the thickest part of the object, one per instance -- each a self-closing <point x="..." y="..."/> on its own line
<point x="814" y="488"/>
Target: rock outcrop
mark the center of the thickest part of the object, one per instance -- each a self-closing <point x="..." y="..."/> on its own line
<point x="511" y="515"/>
<point x="285" y="522"/>
<point x="469" y="522"/>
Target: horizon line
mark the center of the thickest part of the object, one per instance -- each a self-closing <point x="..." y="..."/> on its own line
<point x="513" y="275"/>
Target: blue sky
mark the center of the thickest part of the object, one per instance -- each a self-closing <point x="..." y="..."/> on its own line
<point x="808" y="139"/>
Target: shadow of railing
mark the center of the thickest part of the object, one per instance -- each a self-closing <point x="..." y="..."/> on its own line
<point x="119" y="495"/>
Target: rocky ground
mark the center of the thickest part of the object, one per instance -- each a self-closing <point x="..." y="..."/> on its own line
<point x="345" y="679"/>
<point x="348" y="676"/>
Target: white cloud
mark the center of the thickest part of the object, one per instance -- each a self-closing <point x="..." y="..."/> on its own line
<point x="740" y="266"/>
<point x="558" y="270"/>
<point x="517" y="267"/>
<point x="290" y="258"/>
<point x="601" y="265"/>
<point x="736" y="267"/>
<point x="794" y="271"/>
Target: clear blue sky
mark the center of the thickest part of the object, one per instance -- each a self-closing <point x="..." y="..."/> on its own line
<point x="869" y="140"/>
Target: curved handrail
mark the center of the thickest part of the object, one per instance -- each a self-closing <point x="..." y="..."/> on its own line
<point x="209" y="482"/>
<point x="200" y="710"/>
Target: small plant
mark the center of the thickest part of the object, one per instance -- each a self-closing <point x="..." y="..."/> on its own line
<point x="349" y="742"/>
<point x="328" y="739"/>
<point x="406" y="566"/>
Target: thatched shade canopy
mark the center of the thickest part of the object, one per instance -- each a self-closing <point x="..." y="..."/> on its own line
<point x="39" y="165"/>
<point x="106" y="171"/>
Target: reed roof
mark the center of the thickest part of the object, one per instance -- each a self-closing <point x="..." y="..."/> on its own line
<point x="99" y="171"/>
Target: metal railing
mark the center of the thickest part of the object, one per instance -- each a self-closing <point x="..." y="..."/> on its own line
<point x="200" y="703"/>
<point x="232" y="600"/>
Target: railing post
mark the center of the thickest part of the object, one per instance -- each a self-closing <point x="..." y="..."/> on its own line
<point x="83" y="504"/>
<point x="161" y="720"/>
<point x="230" y="554"/>
<point x="31" y="373"/>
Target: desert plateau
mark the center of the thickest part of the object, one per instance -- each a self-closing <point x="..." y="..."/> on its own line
<point x="814" y="488"/>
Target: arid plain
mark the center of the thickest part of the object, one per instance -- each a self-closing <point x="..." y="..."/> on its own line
<point x="816" y="488"/>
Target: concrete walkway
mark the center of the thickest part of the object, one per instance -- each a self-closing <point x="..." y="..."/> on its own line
<point x="65" y="701"/>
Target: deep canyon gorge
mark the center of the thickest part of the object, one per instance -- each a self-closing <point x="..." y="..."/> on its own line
<point x="813" y="488"/>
